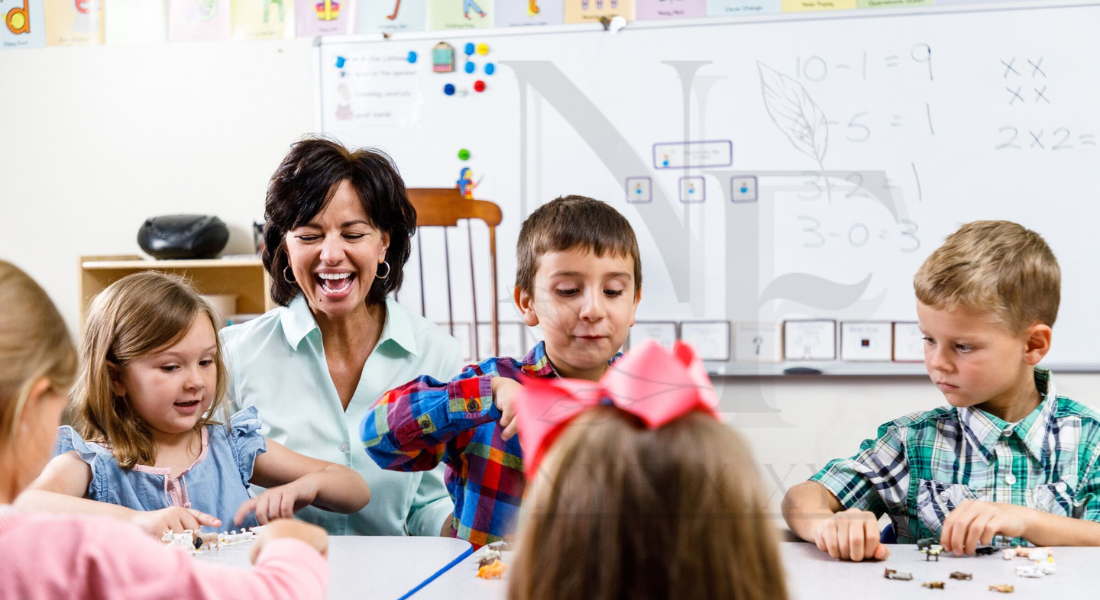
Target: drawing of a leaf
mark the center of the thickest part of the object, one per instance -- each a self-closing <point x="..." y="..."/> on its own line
<point x="795" y="113"/>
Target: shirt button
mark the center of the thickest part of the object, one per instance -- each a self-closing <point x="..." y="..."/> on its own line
<point x="343" y="447"/>
<point x="1007" y="432"/>
<point x="473" y="406"/>
<point x="1061" y="486"/>
<point x="1010" y="479"/>
<point x="945" y="496"/>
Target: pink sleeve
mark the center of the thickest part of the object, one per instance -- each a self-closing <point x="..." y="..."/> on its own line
<point x="102" y="558"/>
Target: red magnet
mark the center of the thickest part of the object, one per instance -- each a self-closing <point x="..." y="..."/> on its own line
<point x="479" y="86"/>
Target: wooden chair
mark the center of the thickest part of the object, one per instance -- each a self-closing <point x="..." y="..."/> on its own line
<point x="445" y="207"/>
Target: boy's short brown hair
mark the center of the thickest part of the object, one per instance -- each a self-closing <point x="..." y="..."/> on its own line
<point x="998" y="267"/>
<point x="570" y="222"/>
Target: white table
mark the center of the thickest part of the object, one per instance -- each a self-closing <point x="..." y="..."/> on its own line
<point x="813" y="575"/>
<point x="385" y="568"/>
<point x="378" y="568"/>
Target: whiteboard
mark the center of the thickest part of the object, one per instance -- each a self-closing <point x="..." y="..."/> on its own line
<point x="777" y="168"/>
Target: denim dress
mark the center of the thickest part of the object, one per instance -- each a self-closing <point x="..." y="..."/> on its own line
<point x="216" y="484"/>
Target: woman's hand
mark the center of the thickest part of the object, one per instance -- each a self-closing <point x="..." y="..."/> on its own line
<point x="288" y="528"/>
<point x="176" y="518"/>
<point x="279" y="502"/>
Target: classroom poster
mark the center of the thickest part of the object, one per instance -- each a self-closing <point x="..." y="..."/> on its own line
<point x="741" y="8"/>
<point x="815" y="5"/>
<point x="263" y="19"/>
<point x="894" y="3"/>
<point x="198" y="20"/>
<point x="527" y="13"/>
<point x="587" y="11"/>
<point x="24" y="24"/>
<point x="461" y="14"/>
<point x="136" y="21"/>
<point x="670" y="9"/>
<point x="391" y="15"/>
<point x="74" y="22"/>
<point x="323" y="17"/>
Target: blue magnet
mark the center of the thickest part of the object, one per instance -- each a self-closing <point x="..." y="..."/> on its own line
<point x="340" y="60"/>
<point x="449" y="90"/>
<point x="469" y="48"/>
<point x="490" y="68"/>
<point x="412" y="57"/>
<point x="470" y="67"/>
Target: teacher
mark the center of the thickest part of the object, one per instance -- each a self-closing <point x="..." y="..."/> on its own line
<point x="335" y="243"/>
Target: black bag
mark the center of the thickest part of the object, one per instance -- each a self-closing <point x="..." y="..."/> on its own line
<point x="183" y="236"/>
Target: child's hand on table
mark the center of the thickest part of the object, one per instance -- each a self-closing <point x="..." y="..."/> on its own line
<point x="279" y="502"/>
<point x="974" y="522"/>
<point x="289" y="528"/>
<point x="175" y="518"/>
<point x="851" y="535"/>
<point x="504" y="391"/>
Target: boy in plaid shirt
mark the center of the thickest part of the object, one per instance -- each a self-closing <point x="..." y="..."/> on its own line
<point x="578" y="278"/>
<point x="1009" y="460"/>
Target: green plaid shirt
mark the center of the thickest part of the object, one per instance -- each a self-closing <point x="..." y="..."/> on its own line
<point x="921" y="466"/>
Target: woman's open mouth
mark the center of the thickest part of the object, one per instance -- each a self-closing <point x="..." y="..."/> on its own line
<point x="335" y="285"/>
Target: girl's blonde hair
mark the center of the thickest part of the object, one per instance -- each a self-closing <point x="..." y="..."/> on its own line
<point x="622" y="511"/>
<point x="134" y="317"/>
<point x="34" y="343"/>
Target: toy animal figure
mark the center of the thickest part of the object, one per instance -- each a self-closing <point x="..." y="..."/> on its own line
<point x="1004" y="588"/>
<point x="933" y="585"/>
<point x="206" y="541"/>
<point x="493" y="570"/>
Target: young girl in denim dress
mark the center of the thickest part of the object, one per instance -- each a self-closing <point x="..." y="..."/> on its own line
<point x="150" y="443"/>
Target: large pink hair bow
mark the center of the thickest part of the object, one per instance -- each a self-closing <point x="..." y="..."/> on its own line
<point x="653" y="383"/>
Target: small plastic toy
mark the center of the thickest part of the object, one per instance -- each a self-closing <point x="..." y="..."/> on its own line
<point x="985" y="551"/>
<point x="501" y="546"/>
<point x="935" y="551"/>
<point x="1031" y="571"/>
<point x="465" y="183"/>
<point x="892" y="574"/>
<point x="492" y="570"/>
<point x="962" y="576"/>
<point x="1003" y="588"/>
<point x="1008" y="553"/>
<point x="925" y="543"/>
<point x="933" y="585"/>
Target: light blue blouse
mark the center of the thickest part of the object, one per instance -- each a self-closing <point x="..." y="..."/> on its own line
<point x="216" y="484"/>
<point x="277" y="363"/>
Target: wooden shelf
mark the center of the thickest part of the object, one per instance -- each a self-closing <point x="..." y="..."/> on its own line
<point x="243" y="277"/>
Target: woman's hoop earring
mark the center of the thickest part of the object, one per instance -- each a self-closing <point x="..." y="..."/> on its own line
<point x="377" y="276"/>
<point x="290" y="279"/>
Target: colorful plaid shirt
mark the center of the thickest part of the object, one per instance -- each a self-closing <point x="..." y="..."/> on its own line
<point x="425" y="422"/>
<point x="921" y="466"/>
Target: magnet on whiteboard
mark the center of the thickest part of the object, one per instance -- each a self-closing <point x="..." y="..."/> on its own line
<point x="449" y="89"/>
<point x="479" y="86"/>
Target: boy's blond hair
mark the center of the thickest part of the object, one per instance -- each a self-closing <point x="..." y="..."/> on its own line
<point x="622" y="511"/>
<point x="34" y="343"/>
<point x="999" y="267"/>
<point x="134" y="317"/>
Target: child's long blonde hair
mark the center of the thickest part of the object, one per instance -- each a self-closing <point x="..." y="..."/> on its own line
<point x="622" y="511"/>
<point x="134" y="317"/>
<point x="34" y="343"/>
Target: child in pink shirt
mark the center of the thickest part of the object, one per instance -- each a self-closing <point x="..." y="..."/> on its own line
<point x="46" y="556"/>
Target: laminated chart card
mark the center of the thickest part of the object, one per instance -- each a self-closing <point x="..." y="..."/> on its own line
<point x="24" y="24"/>
<point x="742" y="8"/>
<point x="893" y="3"/>
<point x="198" y="20"/>
<point x="392" y="15"/>
<point x="323" y="17"/>
<point x="811" y="5"/>
<point x="809" y="340"/>
<point x="524" y="13"/>
<point x="867" y="341"/>
<point x="461" y="14"/>
<point x="758" y="342"/>
<point x="136" y="21"/>
<point x="664" y="332"/>
<point x="670" y="9"/>
<point x="263" y="19"/>
<point x="74" y="22"/>
<point x="586" y="11"/>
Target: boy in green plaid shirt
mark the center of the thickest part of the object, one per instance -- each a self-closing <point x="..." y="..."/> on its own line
<point x="1009" y="461"/>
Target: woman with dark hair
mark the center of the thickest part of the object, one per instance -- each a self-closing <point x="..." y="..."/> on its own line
<point x="335" y="243"/>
